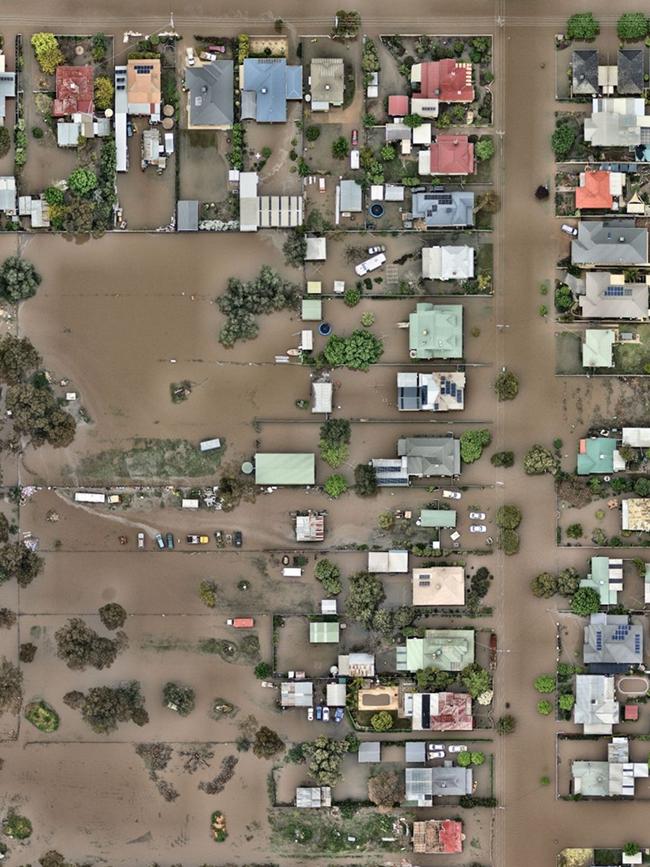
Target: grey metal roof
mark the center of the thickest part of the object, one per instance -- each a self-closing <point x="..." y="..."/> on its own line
<point x="630" y="70"/>
<point x="369" y="751"/>
<point x="210" y="96"/>
<point x="596" y="707"/>
<point x="187" y="215"/>
<point x="327" y="80"/>
<point x="612" y="643"/>
<point x="602" y="298"/>
<point x="351" y="196"/>
<point x="269" y="78"/>
<point x="617" y="123"/>
<point x="422" y="784"/>
<point x="609" y="242"/>
<point x="414" y="752"/>
<point x="430" y="456"/>
<point x="444" y="209"/>
<point x="7" y="88"/>
<point x="585" y="71"/>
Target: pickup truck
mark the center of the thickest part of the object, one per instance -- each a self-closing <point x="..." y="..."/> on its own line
<point x="241" y="622"/>
<point x="193" y="539"/>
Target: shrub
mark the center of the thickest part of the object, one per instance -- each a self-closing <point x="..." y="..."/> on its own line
<point x="562" y="140"/>
<point x="503" y="459"/>
<point x="544" y="585"/>
<point x="82" y="182"/>
<point x="387" y="153"/>
<point x="582" y="25"/>
<point x="464" y="760"/>
<point x="506" y="385"/>
<point x="340" y="148"/>
<point x="631" y="849"/>
<point x="329" y="575"/>
<point x="208" y="592"/>
<point x="367" y="319"/>
<point x="41" y="715"/>
<point x="179" y="698"/>
<point x="47" y="51"/>
<point x="382" y="721"/>
<point x="17" y="826"/>
<point x="103" y="92"/>
<point x="566" y="701"/>
<point x="365" y="480"/>
<point x="509" y="541"/>
<point x="544" y="707"/>
<point x="539" y="460"/>
<point x="563" y="298"/>
<point x="506" y="724"/>
<point x="478" y="758"/>
<point x="37" y="132"/>
<point x="335" y="485"/>
<point x="508" y="517"/>
<point x="484" y="148"/>
<point x="351" y="296"/>
<point x="472" y="443"/>
<point x="312" y="133"/>
<point x="545" y="683"/>
<point x="585" y="601"/>
<point x="574" y="531"/>
<point x="267" y="743"/>
<point x="632" y="26"/>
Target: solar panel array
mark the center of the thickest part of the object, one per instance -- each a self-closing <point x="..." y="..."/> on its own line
<point x="618" y="292"/>
<point x="621" y="632"/>
<point x="143" y="68"/>
<point x="599" y="640"/>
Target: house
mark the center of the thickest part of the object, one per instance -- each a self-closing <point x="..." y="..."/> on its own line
<point x="612" y="644"/>
<point x="598" y="455"/>
<point x="584" y="72"/>
<point x="121" y="119"/>
<point x="310" y="527"/>
<point x="36" y="210"/>
<point x="637" y="437"/>
<point x="369" y="752"/>
<point x="316" y="249"/>
<point x="595" y="708"/>
<point x="617" y="122"/>
<point x="631" y="78"/>
<point x="249" y="219"/>
<point x="388" y="562"/>
<point x="430" y="456"/>
<point x="635" y="513"/>
<point x="438" y="837"/>
<point x="323" y="632"/>
<point x="603" y="295"/>
<point x="391" y="472"/>
<point x="437" y="518"/>
<point x="321" y="393"/>
<point x="439" y="711"/>
<point x="8" y="195"/>
<point x="423" y="784"/>
<point x="446" y="649"/>
<point x="448" y="263"/>
<point x="598" y="347"/>
<point x="143" y="88"/>
<point x="439" y="209"/>
<point x="187" y="215"/>
<point x="439" y="585"/>
<point x="613" y="778"/>
<point x="422" y="135"/>
<point x="398" y="105"/>
<point x="398" y="131"/>
<point x="449" y="154"/>
<point x="74" y="90"/>
<point x="599" y="189"/>
<point x="350" y="197"/>
<point x="311" y="309"/>
<point x="7" y="87"/>
<point x="272" y="468"/>
<point x="436" y="331"/>
<point x="335" y="694"/>
<point x="266" y="85"/>
<point x="297" y="693"/>
<point x="435" y="392"/>
<point x="609" y="242"/>
<point x="447" y="80"/>
<point x="606" y="578"/>
<point x="327" y="83"/>
<point x="356" y="665"/>
<point x="313" y="797"/>
<point x="415" y="752"/>
<point x="210" y="95"/>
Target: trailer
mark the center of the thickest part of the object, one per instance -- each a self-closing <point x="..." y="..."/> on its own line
<point x="241" y="622"/>
<point x="89" y="497"/>
<point x="210" y="445"/>
<point x="370" y="264"/>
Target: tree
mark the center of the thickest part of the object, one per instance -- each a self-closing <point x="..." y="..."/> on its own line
<point x="323" y="757"/>
<point x="103" y="92"/>
<point x="18" y="279"/>
<point x="335" y="485"/>
<point x="357" y="352"/>
<point x="79" y="645"/>
<point x="477" y="758"/>
<point x="340" y="148"/>
<point x="18" y="358"/>
<point x="582" y="26"/>
<point x="509" y="541"/>
<point x="5" y="141"/>
<point x="562" y="140"/>
<point x="472" y="443"/>
<point x="632" y="26"/>
<point x="502" y="459"/>
<point x="387" y="153"/>
<point x="267" y="743"/>
<point x="545" y="683"/>
<point x="103" y="707"/>
<point x="568" y="581"/>
<point x="27" y="652"/>
<point x="365" y="480"/>
<point x="413" y="121"/>
<point x="480" y="582"/>
<point x="544" y="707"/>
<point x="11" y="687"/>
<point x="18" y="827"/>
<point x="508" y="517"/>
<point x="385" y="789"/>
<point x="112" y="615"/>
<point x="566" y="701"/>
<point x="489" y="202"/>
<point x="82" y="181"/>
<point x="334" y="439"/>
<point x="35" y="413"/>
<point x="329" y="575"/>
<point x="178" y="697"/>
<point x="631" y="849"/>
<point x="312" y="133"/>
<point x="574" y="531"/>
<point x="7" y="618"/>
<point x="475" y="679"/>
<point x="506" y="724"/>
<point x="48" y="53"/>
<point x="539" y="460"/>
<point x="17" y="561"/>
<point x="263" y="670"/>
<point x="464" y="760"/>
<point x="585" y="601"/>
<point x="381" y="721"/>
<point x="506" y="385"/>
<point x="563" y="298"/>
<point x="433" y="679"/>
<point x="544" y="585"/>
<point x="364" y="597"/>
<point x="484" y="148"/>
<point x="642" y="487"/>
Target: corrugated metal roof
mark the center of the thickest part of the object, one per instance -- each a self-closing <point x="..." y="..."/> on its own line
<point x="273" y="468"/>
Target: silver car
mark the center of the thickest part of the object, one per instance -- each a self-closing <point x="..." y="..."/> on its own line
<point x="477" y="516"/>
<point x="478" y="528"/>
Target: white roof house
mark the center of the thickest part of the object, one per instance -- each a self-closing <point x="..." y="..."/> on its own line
<point x="249" y="219"/>
<point x="448" y="263"/>
<point x="321" y="396"/>
<point x="351" y="197"/>
<point x="297" y="693"/>
<point x="316" y="249"/>
<point x="596" y="707"/>
<point x="388" y="561"/>
<point x="8" y="201"/>
<point x="617" y="122"/>
<point x="335" y="694"/>
<point x="637" y="437"/>
<point x="422" y="134"/>
<point x="121" y="112"/>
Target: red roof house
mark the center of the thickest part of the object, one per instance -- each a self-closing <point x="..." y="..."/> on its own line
<point x="594" y="191"/>
<point x="446" y="81"/>
<point x="631" y="712"/>
<point x="74" y="90"/>
<point x="451" y="155"/>
<point x="398" y="106"/>
<point x="438" y="836"/>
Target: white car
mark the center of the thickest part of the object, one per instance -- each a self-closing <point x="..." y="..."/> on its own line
<point x="569" y="230"/>
<point x="372" y="251"/>
<point x="437" y="747"/>
<point x="141" y="540"/>
<point x="310" y="714"/>
<point x="326" y="714"/>
<point x="478" y="528"/>
<point x="477" y="516"/>
<point x="437" y="754"/>
<point x="451" y="495"/>
<point x="457" y="748"/>
<point x="268" y="684"/>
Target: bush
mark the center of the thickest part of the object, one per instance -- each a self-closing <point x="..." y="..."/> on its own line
<point x="19" y="279"/>
<point x="17" y="826"/>
<point x="574" y="531"/>
<point x="585" y="601"/>
<point x="47" y="51"/>
<point x="464" y="760"/>
<point x="508" y="517"/>
<point x="82" y="182"/>
<point x="632" y="26"/>
<point x="503" y="459"/>
<point x="506" y="724"/>
<point x="544" y="707"/>
<point x="357" y="352"/>
<point x="5" y="141"/>
<point x="112" y="615"/>
<point x="340" y="148"/>
<point x="335" y="485"/>
<point x="41" y="715"/>
<point x="329" y="575"/>
<point x="544" y="585"/>
<point x="263" y="670"/>
<point x="582" y="25"/>
<point x="539" y="460"/>
<point x="562" y="141"/>
<point x="382" y="721"/>
<point x="179" y="698"/>
<point x="472" y="443"/>
<point x="312" y="133"/>
<point x="563" y="298"/>
<point x="37" y="132"/>
<point x="208" y="592"/>
<point x="506" y="385"/>
<point x="509" y="541"/>
<point x="365" y="480"/>
<point x="267" y="743"/>
<point x="478" y="759"/>
<point x="103" y="92"/>
<point x="545" y="683"/>
<point x="566" y="701"/>
<point x="484" y="148"/>
<point x="351" y="296"/>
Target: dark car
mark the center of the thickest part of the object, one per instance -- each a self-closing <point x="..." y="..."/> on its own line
<point x="170" y="541"/>
<point x="237" y="539"/>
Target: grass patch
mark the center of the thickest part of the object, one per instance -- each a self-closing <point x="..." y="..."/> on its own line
<point x="41" y="715"/>
<point x="294" y="831"/>
<point x="150" y="459"/>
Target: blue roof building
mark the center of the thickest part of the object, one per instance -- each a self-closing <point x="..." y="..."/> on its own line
<point x="266" y="85"/>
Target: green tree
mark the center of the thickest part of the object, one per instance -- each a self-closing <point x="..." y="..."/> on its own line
<point x="82" y="181"/>
<point x="582" y="26"/>
<point x="19" y="562"/>
<point x="335" y="485"/>
<point x="18" y="827"/>
<point x="18" y="359"/>
<point x="568" y="581"/>
<point x="103" y="92"/>
<point x="48" y="53"/>
<point x="544" y="585"/>
<point x="545" y="683"/>
<point x="35" y="413"/>
<point x="413" y="121"/>
<point x="503" y="459"/>
<point x="103" y="707"/>
<point x="566" y="701"/>
<point x="433" y="679"/>
<point x="263" y="670"/>
<point x="19" y="279"/>
<point x="632" y="26"/>
<point x="574" y="531"/>
<point x="484" y="148"/>
<point x="544" y="707"/>
<point x="329" y="575"/>
<point x="381" y="721"/>
<point x="267" y="743"/>
<point x="312" y="133"/>
<point x="631" y="849"/>
<point x="506" y="724"/>
<point x="178" y="697"/>
<point x="464" y="760"/>
<point x="562" y="140"/>
<point x="387" y="153"/>
<point x="334" y="440"/>
<point x="112" y="615"/>
<point x="357" y="352"/>
<point x="340" y="148"/>
<point x="508" y="517"/>
<point x="5" y="141"/>
<point x="539" y="460"/>
<point x="78" y="646"/>
<point x="585" y="601"/>
<point x="472" y="443"/>
<point x="365" y="595"/>
<point x="475" y="679"/>
<point x="478" y="758"/>
<point x="480" y="582"/>
<point x="323" y="757"/>
<point x="365" y="480"/>
<point x="509" y="541"/>
<point x="506" y="385"/>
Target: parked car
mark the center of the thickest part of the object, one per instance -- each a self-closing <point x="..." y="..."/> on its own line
<point x="319" y="712"/>
<point x="268" y="684"/>
<point x="218" y="538"/>
<point x="478" y="528"/>
<point x="451" y="495"/>
<point x="355" y="138"/>
<point x="219" y="48"/>
<point x="326" y="714"/>
<point x="477" y="516"/>
<point x="140" y="541"/>
<point x="237" y="539"/>
<point x="160" y="541"/>
<point x="207" y="55"/>
<point x="457" y="748"/>
<point x="436" y="747"/>
<point x="189" y="56"/>
<point x="310" y="714"/>
<point x="169" y="538"/>
<point x="193" y="539"/>
<point x="569" y="230"/>
<point x="378" y="249"/>
<point x="339" y="713"/>
<point x="321" y="185"/>
<point x="437" y="754"/>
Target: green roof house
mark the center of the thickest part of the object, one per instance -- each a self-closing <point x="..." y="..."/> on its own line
<point x="323" y="632"/>
<point x="273" y="468"/>
<point x="436" y="331"/>
<point x="599" y="455"/>
<point x="446" y="649"/>
<point x="598" y="348"/>
<point x="312" y="309"/>
<point x="437" y="518"/>
<point x="606" y="578"/>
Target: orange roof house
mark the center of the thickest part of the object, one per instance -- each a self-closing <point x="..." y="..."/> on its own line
<point x="143" y="86"/>
<point x="398" y="105"/>
<point x="595" y="190"/>
<point x="451" y="155"/>
<point x="446" y="80"/>
<point x="438" y="836"/>
<point x="74" y="90"/>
